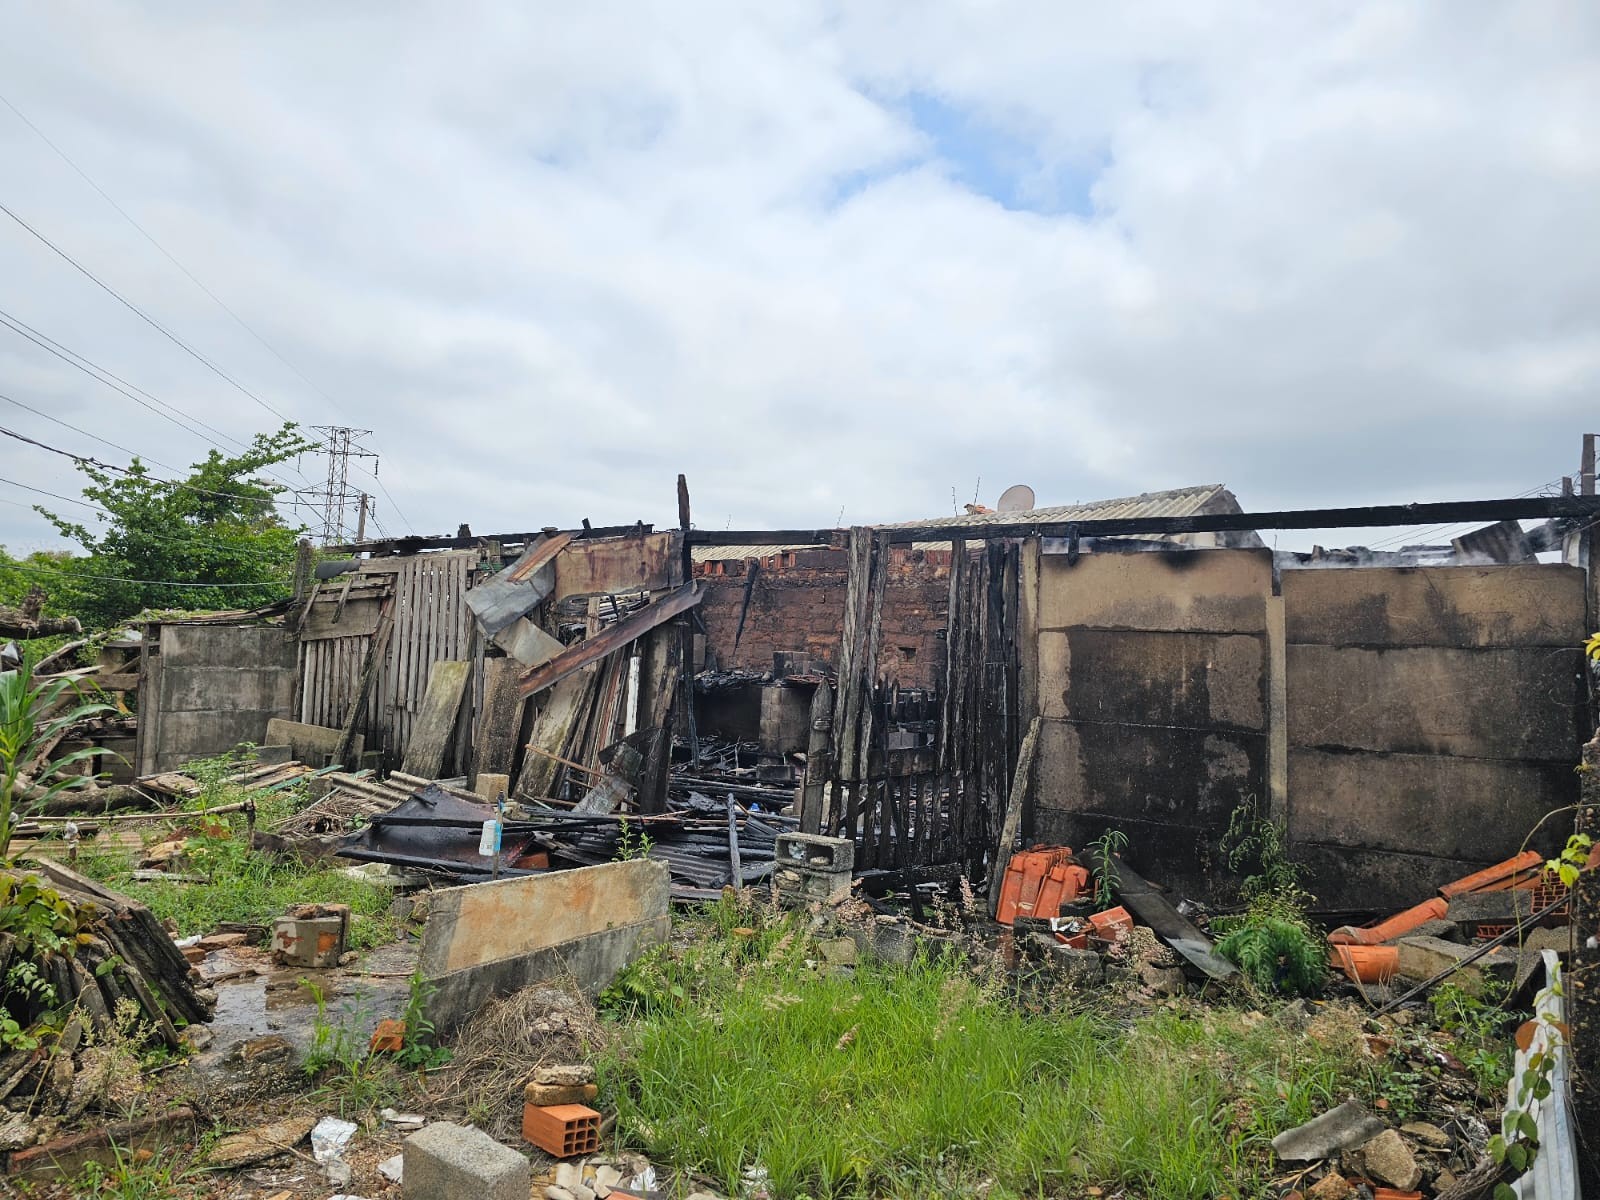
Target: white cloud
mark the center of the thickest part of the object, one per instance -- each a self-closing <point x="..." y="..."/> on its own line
<point x="553" y="256"/>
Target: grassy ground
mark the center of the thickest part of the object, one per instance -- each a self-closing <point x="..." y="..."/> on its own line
<point x="246" y="886"/>
<point x="741" y="1053"/>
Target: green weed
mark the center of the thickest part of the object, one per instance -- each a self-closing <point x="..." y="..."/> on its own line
<point x="132" y="1176"/>
<point x="928" y="1081"/>
<point x="351" y="1077"/>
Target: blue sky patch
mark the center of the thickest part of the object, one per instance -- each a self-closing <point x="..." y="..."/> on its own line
<point x="1002" y="163"/>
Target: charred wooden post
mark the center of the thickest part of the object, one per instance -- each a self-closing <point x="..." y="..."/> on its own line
<point x="1583" y="980"/>
<point x="813" y="792"/>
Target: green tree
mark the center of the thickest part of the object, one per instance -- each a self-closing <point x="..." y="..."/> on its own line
<point x="216" y="535"/>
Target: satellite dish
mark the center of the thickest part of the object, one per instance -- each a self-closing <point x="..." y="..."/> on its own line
<point x="1017" y="498"/>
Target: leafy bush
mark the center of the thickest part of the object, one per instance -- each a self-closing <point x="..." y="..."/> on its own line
<point x="32" y="717"/>
<point x="1277" y="952"/>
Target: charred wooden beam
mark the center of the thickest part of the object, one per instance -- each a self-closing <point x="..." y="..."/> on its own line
<point x="387" y="547"/>
<point x="612" y="638"/>
<point x="1449" y="512"/>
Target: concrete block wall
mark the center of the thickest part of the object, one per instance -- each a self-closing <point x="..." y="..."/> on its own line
<point x="1151" y="674"/>
<point x="203" y="689"/>
<point x="1433" y="716"/>
<point x="1409" y="725"/>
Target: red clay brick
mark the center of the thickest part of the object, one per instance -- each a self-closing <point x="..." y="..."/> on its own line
<point x="562" y="1130"/>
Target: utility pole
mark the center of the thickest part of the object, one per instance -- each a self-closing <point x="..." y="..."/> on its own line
<point x="333" y="500"/>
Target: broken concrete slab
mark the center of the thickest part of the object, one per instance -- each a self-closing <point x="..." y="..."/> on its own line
<point x="1530" y="955"/>
<point x="1324" y="1136"/>
<point x="1424" y="957"/>
<point x="314" y="745"/>
<point x="260" y="1144"/>
<point x="447" y="1161"/>
<point x="491" y="939"/>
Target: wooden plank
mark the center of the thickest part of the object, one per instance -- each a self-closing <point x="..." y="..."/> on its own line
<point x="1016" y="802"/>
<point x="852" y="647"/>
<point x="818" y="759"/>
<point x="436" y="723"/>
<point x="551" y="728"/>
<point x="377" y="652"/>
<point x="357" y="618"/>
<point x="499" y="719"/>
<point x="593" y="649"/>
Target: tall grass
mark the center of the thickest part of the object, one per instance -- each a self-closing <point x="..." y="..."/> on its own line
<point x="925" y="1081"/>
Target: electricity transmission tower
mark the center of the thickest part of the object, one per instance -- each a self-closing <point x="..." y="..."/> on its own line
<point x="333" y="501"/>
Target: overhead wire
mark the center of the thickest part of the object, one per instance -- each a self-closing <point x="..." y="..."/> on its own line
<point x="77" y="429"/>
<point x="246" y="551"/>
<point x="131" y="391"/>
<point x="194" y="279"/>
<point x="144" y="316"/>
<point x="85" y="460"/>
<point x="170" y="257"/>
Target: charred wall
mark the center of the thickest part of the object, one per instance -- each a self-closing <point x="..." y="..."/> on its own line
<point x="1409" y="725"/>
<point x="1152" y="683"/>
<point x="1434" y="715"/>
<point x="797" y="606"/>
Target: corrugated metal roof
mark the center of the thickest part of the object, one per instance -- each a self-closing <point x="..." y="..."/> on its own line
<point x="1177" y="502"/>
<point x="722" y="553"/>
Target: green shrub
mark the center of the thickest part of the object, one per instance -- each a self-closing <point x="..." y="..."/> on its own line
<point x="1278" y="952"/>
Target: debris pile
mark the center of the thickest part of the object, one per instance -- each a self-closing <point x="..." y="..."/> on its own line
<point x="1463" y="929"/>
<point x="73" y="946"/>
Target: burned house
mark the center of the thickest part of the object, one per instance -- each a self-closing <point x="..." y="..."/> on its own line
<point x="942" y="691"/>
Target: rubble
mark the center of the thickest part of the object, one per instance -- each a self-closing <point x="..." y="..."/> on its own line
<point x="1350" y="1124"/>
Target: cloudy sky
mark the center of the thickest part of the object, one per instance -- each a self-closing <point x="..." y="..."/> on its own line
<point x="823" y="258"/>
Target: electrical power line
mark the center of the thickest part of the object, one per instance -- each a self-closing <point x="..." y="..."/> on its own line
<point x="76" y="429"/>
<point x="245" y="551"/>
<point x="194" y="279"/>
<point x="374" y="476"/>
<point x="85" y="460"/>
<point x="121" y="386"/>
<point x="149" y="237"/>
<point x="144" y="316"/>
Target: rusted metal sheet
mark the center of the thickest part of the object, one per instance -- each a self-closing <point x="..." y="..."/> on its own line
<point x="648" y="562"/>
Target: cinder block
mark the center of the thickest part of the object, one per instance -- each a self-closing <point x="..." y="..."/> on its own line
<point x="806" y="885"/>
<point x="313" y="939"/>
<point x="562" y="1130"/>
<point x="828" y="854"/>
<point x="447" y="1162"/>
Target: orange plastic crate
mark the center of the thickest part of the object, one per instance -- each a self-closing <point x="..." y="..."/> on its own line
<point x="562" y="1130"/>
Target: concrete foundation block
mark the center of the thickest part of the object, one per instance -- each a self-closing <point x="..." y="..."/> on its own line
<point x="312" y="939"/>
<point x="491" y="939"/>
<point x="448" y="1162"/>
